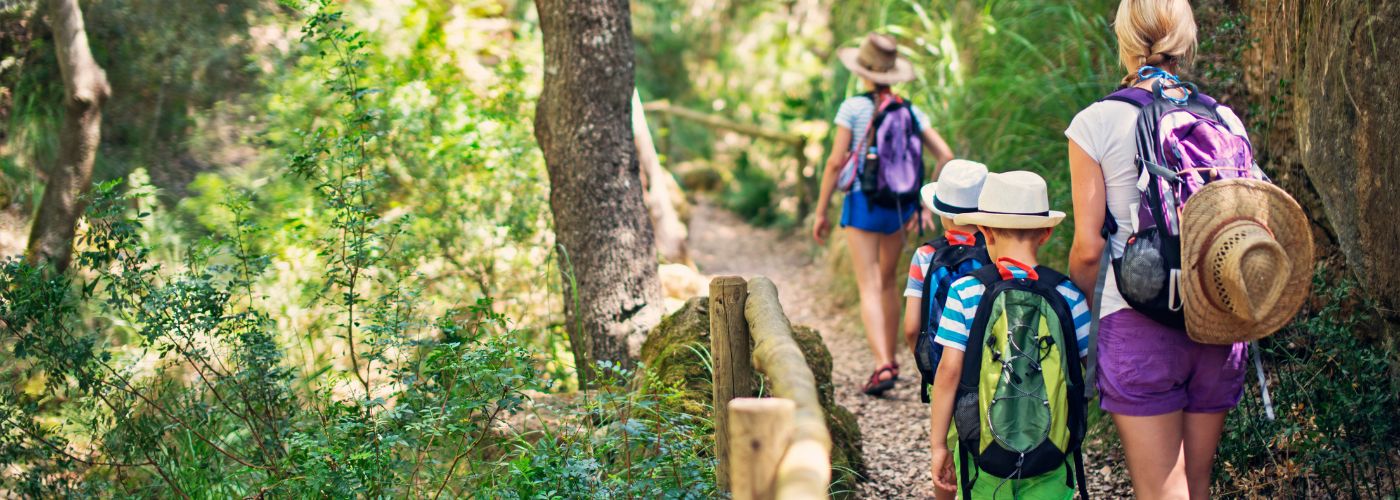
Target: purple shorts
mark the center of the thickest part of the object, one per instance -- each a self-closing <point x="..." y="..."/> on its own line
<point x="1148" y="369"/>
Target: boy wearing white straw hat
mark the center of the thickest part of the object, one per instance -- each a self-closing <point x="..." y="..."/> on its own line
<point x="940" y="262"/>
<point x="1010" y="376"/>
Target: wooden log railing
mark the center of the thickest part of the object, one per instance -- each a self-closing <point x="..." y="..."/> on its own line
<point x="806" y="184"/>
<point x="776" y="447"/>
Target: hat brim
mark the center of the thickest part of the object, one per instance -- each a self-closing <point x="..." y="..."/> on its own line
<point x="1010" y="221"/>
<point x="928" y="195"/>
<point x="902" y="72"/>
<point x="1220" y="203"/>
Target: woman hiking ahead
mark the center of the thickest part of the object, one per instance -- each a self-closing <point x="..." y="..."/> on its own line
<point x="877" y="159"/>
<point x="1164" y="181"/>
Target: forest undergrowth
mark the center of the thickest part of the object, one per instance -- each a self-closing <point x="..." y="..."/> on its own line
<point x="153" y="370"/>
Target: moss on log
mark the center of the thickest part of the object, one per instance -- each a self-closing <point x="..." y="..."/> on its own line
<point x="674" y="359"/>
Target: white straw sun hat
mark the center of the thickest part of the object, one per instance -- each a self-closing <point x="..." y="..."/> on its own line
<point x="959" y="184"/>
<point x="1013" y="200"/>
<point x="1247" y="259"/>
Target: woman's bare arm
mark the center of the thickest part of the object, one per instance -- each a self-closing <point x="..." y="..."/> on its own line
<point x="942" y="154"/>
<point x="840" y="147"/>
<point x="1086" y="178"/>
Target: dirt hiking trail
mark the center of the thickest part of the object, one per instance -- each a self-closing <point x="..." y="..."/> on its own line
<point x="895" y="427"/>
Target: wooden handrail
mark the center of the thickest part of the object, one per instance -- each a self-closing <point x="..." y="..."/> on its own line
<point x="806" y="184"/>
<point x="722" y="123"/>
<point x="794" y="430"/>
<point x="805" y="471"/>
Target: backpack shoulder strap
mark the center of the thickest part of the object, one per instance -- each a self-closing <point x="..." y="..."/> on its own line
<point x="989" y="277"/>
<point x="928" y="280"/>
<point x="1139" y="98"/>
<point x="1207" y="100"/>
<point x="1049" y="280"/>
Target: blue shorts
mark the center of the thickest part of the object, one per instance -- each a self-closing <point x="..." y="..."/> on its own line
<point x="859" y="213"/>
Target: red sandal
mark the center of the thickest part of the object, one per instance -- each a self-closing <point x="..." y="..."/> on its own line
<point x="875" y="386"/>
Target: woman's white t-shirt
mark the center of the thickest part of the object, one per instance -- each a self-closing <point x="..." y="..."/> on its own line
<point x="1105" y="130"/>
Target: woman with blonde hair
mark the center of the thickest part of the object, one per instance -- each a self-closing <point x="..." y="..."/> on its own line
<point x="1167" y="393"/>
<point x="875" y="226"/>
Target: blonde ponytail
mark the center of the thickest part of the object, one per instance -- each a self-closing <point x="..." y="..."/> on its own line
<point x="1155" y="33"/>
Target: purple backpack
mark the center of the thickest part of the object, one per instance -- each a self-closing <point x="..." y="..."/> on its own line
<point x="1182" y="144"/>
<point x="893" y="170"/>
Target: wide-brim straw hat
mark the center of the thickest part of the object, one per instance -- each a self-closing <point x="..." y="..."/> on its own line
<point x="958" y="187"/>
<point x="1247" y="258"/>
<point x="878" y="60"/>
<point x="1013" y="200"/>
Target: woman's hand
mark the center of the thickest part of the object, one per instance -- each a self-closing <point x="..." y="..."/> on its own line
<point x="944" y="478"/>
<point x="930" y="220"/>
<point x="821" y="227"/>
<point x="925" y="218"/>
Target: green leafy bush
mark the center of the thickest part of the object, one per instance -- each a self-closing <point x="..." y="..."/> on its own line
<point x="1336" y="393"/>
<point x="141" y="375"/>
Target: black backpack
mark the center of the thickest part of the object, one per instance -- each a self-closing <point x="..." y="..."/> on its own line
<point x="959" y="261"/>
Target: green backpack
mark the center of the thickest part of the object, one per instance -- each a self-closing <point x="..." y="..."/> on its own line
<point x="1020" y="406"/>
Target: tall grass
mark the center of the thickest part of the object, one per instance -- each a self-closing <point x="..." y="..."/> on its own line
<point x="1001" y="80"/>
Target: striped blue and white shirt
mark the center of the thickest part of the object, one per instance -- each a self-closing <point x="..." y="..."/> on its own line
<point x="965" y="293"/>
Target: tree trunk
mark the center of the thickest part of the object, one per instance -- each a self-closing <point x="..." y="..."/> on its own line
<point x="671" y="233"/>
<point x="583" y="125"/>
<point x="85" y="89"/>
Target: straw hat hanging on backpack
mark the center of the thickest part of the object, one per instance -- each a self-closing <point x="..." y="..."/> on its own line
<point x="1247" y="256"/>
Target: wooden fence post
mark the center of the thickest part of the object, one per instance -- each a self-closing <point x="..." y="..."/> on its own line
<point x="729" y="355"/>
<point x="760" y="430"/>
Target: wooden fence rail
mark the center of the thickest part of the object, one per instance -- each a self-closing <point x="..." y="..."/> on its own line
<point x="776" y="447"/>
<point x="806" y="184"/>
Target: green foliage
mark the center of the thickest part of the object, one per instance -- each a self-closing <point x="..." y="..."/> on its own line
<point x="1336" y="393"/>
<point x="646" y="449"/>
<point x="159" y="368"/>
<point x="754" y="195"/>
<point x="1002" y="81"/>
<point x="172" y="64"/>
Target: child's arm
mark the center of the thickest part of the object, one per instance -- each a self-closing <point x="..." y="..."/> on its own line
<point x="912" y="315"/>
<point x="945" y="384"/>
<point x="914" y="293"/>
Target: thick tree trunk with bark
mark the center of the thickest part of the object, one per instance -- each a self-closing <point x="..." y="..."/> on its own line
<point x="583" y="124"/>
<point x="85" y="89"/>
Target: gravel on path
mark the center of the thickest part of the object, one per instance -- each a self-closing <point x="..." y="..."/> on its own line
<point x="895" y="427"/>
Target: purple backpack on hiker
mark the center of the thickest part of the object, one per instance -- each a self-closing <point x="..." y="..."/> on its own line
<point x="1182" y="144"/>
<point x="893" y="170"/>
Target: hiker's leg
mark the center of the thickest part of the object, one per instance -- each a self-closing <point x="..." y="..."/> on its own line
<point x="1202" y="437"/>
<point x="891" y="284"/>
<point x="865" y="258"/>
<point x="1155" y="455"/>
